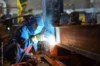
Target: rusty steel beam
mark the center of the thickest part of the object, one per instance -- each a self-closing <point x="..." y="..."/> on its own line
<point x="83" y="37"/>
<point x="54" y="62"/>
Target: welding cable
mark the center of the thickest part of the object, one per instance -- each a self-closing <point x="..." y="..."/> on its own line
<point x="25" y="52"/>
<point x="23" y="55"/>
<point x="36" y="38"/>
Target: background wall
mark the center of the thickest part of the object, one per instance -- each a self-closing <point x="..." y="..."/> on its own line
<point x="37" y="5"/>
<point x="76" y="3"/>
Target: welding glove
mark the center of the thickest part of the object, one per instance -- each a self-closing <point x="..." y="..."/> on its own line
<point x="37" y="38"/>
<point x="34" y="39"/>
<point x="40" y="37"/>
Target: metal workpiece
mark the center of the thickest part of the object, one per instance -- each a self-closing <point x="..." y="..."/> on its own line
<point x="83" y="39"/>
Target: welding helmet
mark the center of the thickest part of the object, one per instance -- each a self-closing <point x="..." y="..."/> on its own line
<point x="27" y="17"/>
<point x="35" y="25"/>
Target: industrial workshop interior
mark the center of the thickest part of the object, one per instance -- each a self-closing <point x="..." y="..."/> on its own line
<point x="49" y="33"/>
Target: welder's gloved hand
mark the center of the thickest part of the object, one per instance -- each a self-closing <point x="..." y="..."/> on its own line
<point x="34" y="39"/>
<point x="40" y="37"/>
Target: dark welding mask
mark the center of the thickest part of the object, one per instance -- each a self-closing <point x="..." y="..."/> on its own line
<point x="36" y="25"/>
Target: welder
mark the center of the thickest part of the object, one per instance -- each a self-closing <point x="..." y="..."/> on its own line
<point x="24" y="38"/>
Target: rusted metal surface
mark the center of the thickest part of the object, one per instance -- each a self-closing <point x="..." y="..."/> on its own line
<point x="47" y="62"/>
<point x="22" y="64"/>
<point x="85" y="37"/>
<point x="54" y="53"/>
<point x="53" y="62"/>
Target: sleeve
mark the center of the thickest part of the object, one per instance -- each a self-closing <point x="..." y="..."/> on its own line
<point x="24" y="37"/>
<point x="24" y="33"/>
<point x="27" y="41"/>
<point x="35" y="46"/>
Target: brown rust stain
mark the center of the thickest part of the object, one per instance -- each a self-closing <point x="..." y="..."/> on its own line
<point x="83" y="37"/>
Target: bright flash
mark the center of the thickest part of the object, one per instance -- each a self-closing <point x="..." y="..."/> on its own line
<point x="51" y="40"/>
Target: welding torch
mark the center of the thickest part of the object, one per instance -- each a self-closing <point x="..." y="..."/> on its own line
<point x="35" y="39"/>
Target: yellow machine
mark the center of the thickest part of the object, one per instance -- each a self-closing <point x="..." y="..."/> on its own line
<point x="82" y="18"/>
<point x="21" y="7"/>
